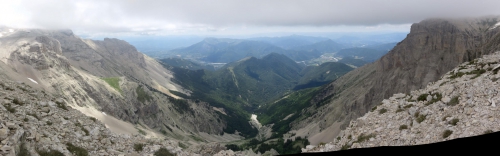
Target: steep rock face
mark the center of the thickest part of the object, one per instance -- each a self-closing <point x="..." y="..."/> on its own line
<point x="463" y="103"/>
<point x="63" y="64"/>
<point x="432" y="48"/>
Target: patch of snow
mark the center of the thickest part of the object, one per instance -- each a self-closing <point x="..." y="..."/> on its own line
<point x="32" y="80"/>
<point x="495" y="26"/>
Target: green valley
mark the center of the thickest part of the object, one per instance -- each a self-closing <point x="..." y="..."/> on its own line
<point x="275" y="87"/>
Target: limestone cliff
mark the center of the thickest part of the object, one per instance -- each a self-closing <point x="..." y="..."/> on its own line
<point x="461" y="104"/>
<point x="432" y="48"/>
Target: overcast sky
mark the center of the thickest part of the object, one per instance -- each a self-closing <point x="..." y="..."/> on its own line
<point x="168" y="17"/>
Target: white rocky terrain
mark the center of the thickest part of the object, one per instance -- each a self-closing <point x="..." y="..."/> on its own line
<point x="460" y="104"/>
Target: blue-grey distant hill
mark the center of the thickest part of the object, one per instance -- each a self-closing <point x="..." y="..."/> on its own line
<point x="289" y="42"/>
<point x="326" y="46"/>
<point x="157" y="46"/>
<point x="217" y="50"/>
<point x="368" y="53"/>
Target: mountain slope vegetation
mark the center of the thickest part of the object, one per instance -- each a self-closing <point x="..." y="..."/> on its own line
<point x="241" y="87"/>
<point x="184" y="63"/>
<point x="314" y="76"/>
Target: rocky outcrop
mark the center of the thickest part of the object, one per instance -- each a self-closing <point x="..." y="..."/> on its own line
<point x="432" y="48"/>
<point x="462" y="103"/>
<point x="33" y="121"/>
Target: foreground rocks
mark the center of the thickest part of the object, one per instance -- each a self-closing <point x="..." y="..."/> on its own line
<point x="32" y="121"/>
<point x="461" y="104"/>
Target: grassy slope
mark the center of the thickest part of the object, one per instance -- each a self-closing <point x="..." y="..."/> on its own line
<point x="187" y="64"/>
<point x="276" y="111"/>
<point x="113" y="82"/>
<point x="315" y="76"/>
<point x="237" y="117"/>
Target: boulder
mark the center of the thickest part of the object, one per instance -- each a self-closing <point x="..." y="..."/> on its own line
<point x="429" y="97"/>
<point x="10" y="125"/>
<point x="4" y="132"/>
<point x="446" y="99"/>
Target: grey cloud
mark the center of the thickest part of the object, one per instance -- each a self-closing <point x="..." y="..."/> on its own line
<point x="129" y="15"/>
<point x="308" y="12"/>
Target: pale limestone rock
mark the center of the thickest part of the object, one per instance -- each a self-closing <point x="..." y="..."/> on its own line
<point x="446" y="99"/>
<point x="4" y="133"/>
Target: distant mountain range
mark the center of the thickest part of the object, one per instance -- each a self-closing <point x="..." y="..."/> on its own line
<point x="290" y="42"/>
<point x="296" y="47"/>
<point x="157" y="46"/>
<point x="326" y="46"/>
<point x="228" y="50"/>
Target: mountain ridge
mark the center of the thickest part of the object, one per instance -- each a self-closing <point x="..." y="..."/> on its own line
<point x="92" y="76"/>
<point x="462" y="103"/>
<point x="414" y="62"/>
<point x="326" y="46"/>
<point x="235" y="49"/>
